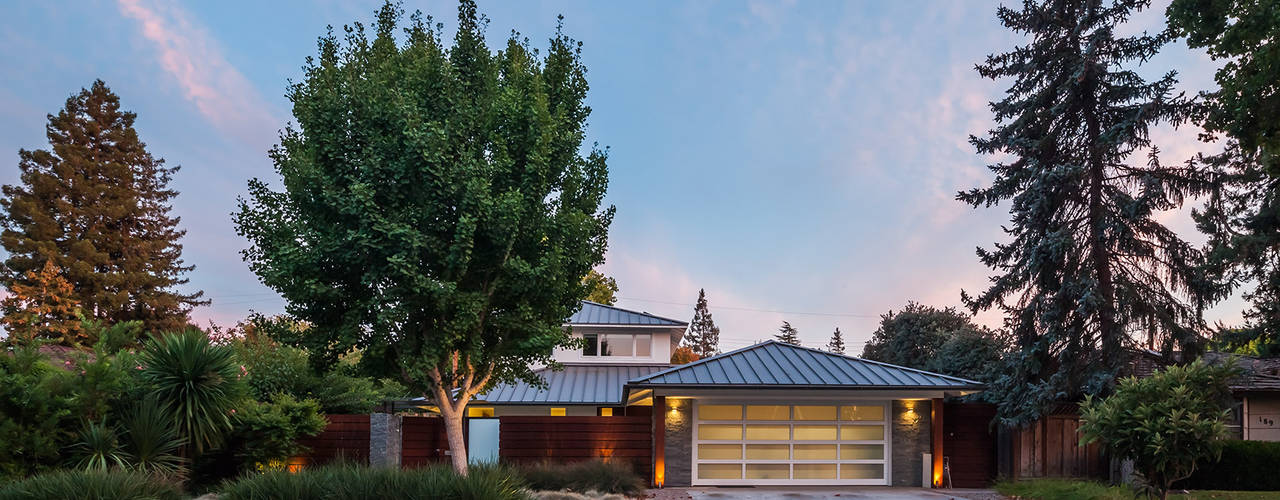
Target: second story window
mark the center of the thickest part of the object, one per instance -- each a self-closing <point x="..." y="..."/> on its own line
<point x="628" y="345"/>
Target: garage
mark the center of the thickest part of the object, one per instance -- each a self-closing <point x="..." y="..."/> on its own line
<point x="769" y="443"/>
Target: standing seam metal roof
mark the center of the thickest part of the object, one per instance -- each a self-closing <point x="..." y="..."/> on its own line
<point x="575" y="384"/>
<point x="780" y="364"/>
<point x="593" y="313"/>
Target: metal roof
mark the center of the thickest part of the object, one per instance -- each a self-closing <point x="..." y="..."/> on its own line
<point x="778" y="364"/>
<point x="575" y="384"/>
<point x="593" y="313"/>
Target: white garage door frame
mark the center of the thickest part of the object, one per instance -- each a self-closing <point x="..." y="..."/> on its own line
<point x="886" y="442"/>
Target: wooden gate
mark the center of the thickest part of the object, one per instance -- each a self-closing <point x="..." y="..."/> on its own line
<point x="969" y="442"/>
<point x="423" y="441"/>
<point x="1051" y="448"/>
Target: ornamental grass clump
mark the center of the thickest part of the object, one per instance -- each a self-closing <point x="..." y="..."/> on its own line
<point x="92" y="485"/>
<point x="1168" y="424"/>
<point x="343" y="481"/>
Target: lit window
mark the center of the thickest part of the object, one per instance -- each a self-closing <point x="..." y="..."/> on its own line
<point x="606" y="412"/>
<point x="480" y="412"/>
<point x="627" y="345"/>
<point x="557" y="412"/>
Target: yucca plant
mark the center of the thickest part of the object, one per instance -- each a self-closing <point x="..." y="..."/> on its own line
<point x="155" y="442"/>
<point x="99" y="448"/>
<point x="195" y="382"/>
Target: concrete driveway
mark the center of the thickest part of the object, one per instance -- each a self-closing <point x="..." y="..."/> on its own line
<point x="820" y="492"/>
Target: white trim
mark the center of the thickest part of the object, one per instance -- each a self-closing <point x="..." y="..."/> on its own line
<point x="886" y="425"/>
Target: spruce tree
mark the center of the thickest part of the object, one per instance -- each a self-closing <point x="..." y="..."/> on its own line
<point x="96" y="203"/>
<point x="836" y="344"/>
<point x="703" y="337"/>
<point x="1088" y="267"/>
<point x="788" y="334"/>
<point x="44" y="309"/>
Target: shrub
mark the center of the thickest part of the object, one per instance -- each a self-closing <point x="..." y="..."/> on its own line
<point x="153" y="440"/>
<point x="356" y="481"/>
<point x="99" y="448"/>
<point x="36" y="415"/>
<point x="1167" y="423"/>
<point x="267" y="433"/>
<point x="91" y="485"/>
<point x="196" y="382"/>
<point x="1245" y="465"/>
<point x="589" y="476"/>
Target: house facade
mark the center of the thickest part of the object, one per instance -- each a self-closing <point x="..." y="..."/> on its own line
<point x="768" y="414"/>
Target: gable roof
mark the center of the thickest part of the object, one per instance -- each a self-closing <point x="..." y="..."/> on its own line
<point x="778" y="364"/>
<point x="575" y="384"/>
<point x="593" y="313"/>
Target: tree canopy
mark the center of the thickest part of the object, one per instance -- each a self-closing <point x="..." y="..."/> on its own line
<point x="788" y="334"/>
<point x="938" y="340"/>
<point x="603" y="289"/>
<point x="439" y="208"/>
<point x="96" y="204"/>
<point x="1088" y="269"/>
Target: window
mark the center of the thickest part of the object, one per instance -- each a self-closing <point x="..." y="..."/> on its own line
<point x="606" y="412"/>
<point x="639" y="345"/>
<point x="480" y="412"/>
<point x="557" y="412"/>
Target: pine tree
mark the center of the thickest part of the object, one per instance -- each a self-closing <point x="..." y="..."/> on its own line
<point x="44" y="309"/>
<point x="703" y="337"/>
<point x="836" y="344"/>
<point x="788" y="334"/>
<point x="97" y="204"/>
<point x="1088" y="265"/>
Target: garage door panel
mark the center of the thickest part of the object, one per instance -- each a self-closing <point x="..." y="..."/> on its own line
<point x="806" y="443"/>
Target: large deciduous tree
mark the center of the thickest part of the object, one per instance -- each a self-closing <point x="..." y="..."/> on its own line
<point x="96" y="204"/>
<point x="601" y="289"/>
<point x="1242" y="218"/>
<point x="703" y="337"/>
<point x="1088" y="268"/>
<point x="939" y="340"/>
<point x="438" y="209"/>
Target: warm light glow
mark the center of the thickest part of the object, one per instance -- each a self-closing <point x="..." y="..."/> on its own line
<point x="480" y="412"/>
<point x="606" y="412"/>
<point x="557" y="412"/>
<point x="659" y="472"/>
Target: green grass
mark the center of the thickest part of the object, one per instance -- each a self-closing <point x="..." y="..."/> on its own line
<point x="1067" y="489"/>
<point x="91" y="485"/>
<point x="358" y="481"/>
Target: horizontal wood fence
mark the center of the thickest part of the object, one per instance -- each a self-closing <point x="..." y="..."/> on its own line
<point x="574" y="439"/>
<point x="423" y="441"/>
<point x="346" y="437"/>
<point x="969" y="444"/>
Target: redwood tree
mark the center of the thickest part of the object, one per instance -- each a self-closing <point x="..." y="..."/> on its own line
<point x="96" y="204"/>
<point x="45" y="309"/>
<point x="437" y="211"/>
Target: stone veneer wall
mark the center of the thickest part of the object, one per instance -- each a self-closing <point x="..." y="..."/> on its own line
<point x="679" y="442"/>
<point x="385" y="438"/>
<point x="910" y="437"/>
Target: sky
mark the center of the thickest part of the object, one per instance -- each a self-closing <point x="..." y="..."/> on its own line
<point x="797" y="160"/>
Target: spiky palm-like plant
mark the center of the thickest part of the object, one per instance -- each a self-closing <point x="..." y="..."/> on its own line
<point x="195" y="382"/>
<point x="155" y="442"/>
<point x="99" y="448"/>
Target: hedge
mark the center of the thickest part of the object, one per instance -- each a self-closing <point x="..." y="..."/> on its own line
<point x="1245" y="465"/>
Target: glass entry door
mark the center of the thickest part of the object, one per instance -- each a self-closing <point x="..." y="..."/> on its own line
<point x="819" y="443"/>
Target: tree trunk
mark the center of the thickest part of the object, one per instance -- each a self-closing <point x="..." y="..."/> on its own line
<point x="451" y="411"/>
<point x="1109" y="333"/>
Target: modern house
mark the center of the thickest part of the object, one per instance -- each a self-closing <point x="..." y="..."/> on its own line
<point x="768" y="414"/>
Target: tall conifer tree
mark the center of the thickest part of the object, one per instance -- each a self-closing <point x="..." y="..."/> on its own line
<point x="788" y="334"/>
<point x="1088" y="269"/>
<point x="43" y="309"/>
<point x="96" y="204"/>
<point x="703" y="337"/>
<point x="836" y="344"/>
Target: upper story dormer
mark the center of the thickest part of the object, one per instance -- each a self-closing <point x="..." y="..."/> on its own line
<point x="614" y="335"/>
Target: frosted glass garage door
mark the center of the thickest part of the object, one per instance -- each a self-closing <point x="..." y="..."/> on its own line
<point x="819" y="443"/>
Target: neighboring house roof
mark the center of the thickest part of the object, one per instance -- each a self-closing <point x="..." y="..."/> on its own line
<point x="778" y="364"/>
<point x="575" y="384"/>
<point x="1258" y="374"/>
<point x="600" y="314"/>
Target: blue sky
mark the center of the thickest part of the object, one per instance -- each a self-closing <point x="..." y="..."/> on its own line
<point x="797" y="159"/>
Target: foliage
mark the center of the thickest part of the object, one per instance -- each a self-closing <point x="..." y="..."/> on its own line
<point x="836" y="344"/>
<point x="96" y="204"/>
<point x="438" y="212"/>
<point x="99" y="448"/>
<point x="703" y="336"/>
<point x="37" y="414"/>
<point x="271" y="368"/>
<point x="1075" y="489"/>
<point x="1246" y="35"/>
<point x="939" y="340"/>
<point x="1167" y="424"/>
<point x="104" y="385"/>
<point x="153" y="441"/>
<point x="1245" y="465"/>
<point x="355" y="481"/>
<point x="603" y="289"/>
<point x="682" y="355"/>
<point x="267" y="433"/>
<point x="92" y="485"/>
<point x="42" y="306"/>
<point x="583" y="477"/>
<point x="788" y="334"/>
<point x="196" y="382"/>
<point x="1087" y="262"/>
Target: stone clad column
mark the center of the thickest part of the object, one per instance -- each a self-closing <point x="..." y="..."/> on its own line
<point x="910" y="435"/>
<point x="385" y="436"/>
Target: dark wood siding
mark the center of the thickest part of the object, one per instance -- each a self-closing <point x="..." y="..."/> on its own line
<point x="571" y="439"/>
<point x="423" y="441"/>
<point x="969" y="444"/>
<point x="346" y="437"/>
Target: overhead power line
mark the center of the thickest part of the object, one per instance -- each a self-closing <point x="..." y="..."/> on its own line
<point x="751" y="309"/>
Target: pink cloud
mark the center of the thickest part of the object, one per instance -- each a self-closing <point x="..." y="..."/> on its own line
<point x="189" y="55"/>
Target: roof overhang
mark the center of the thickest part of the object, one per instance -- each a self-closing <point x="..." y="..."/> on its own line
<point x="633" y="393"/>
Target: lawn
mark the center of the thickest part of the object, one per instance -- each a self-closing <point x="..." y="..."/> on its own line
<point x="1065" y="489"/>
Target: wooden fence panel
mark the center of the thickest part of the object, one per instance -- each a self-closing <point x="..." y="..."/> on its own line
<point x="346" y="437"/>
<point x="1050" y="447"/>
<point x="423" y="441"/>
<point x="970" y="444"/>
<point x="571" y="439"/>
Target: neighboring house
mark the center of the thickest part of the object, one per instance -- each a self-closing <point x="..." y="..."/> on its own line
<point x="1257" y="392"/>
